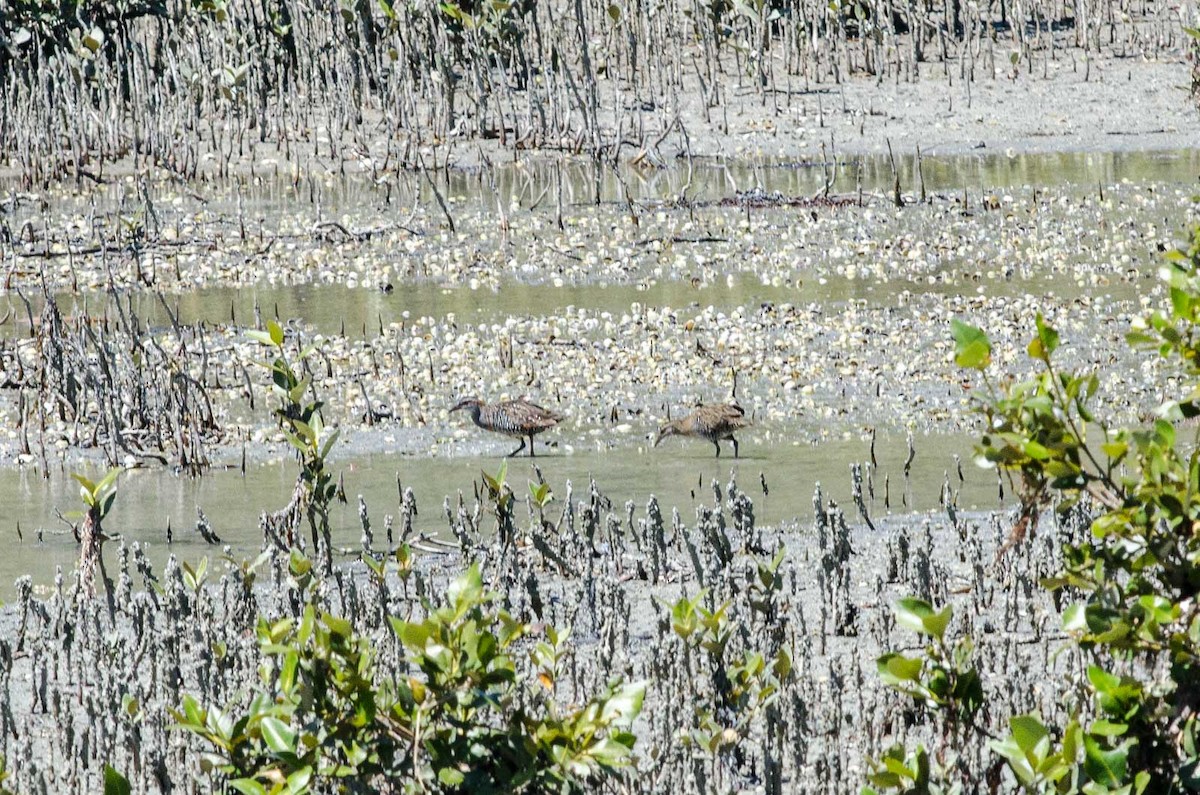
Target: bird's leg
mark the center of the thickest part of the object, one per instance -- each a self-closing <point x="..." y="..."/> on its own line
<point x="519" y="449"/>
<point x="735" y="446"/>
<point x="531" y="453"/>
<point x="717" y="445"/>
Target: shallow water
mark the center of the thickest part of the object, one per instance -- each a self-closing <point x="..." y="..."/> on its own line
<point x="679" y="473"/>
<point x="535" y="183"/>
<point x="711" y="179"/>
<point x="986" y="171"/>
<point x="360" y="312"/>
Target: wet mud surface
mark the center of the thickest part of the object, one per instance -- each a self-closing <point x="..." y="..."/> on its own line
<point x="84" y="684"/>
<point x="759" y="253"/>
<point x="823" y="320"/>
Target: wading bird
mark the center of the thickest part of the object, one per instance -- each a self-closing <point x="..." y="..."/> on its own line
<point x="518" y="418"/>
<point x="714" y="421"/>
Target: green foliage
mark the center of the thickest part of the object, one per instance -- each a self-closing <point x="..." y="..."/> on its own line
<point x="27" y="20"/>
<point x="971" y="346"/>
<point x="540" y="496"/>
<point x="904" y="772"/>
<point x="943" y="677"/>
<point x="402" y="556"/>
<point x="493" y="24"/>
<point x="247" y="570"/>
<point x="1037" y="429"/>
<point x="766" y="585"/>
<point x="98" y="497"/>
<point x="78" y="31"/>
<point x="4" y="775"/>
<point x="455" y="717"/>
<point x="498" y="490"/>
<point x="115" y="783"/>
<point x="1135" y="579"/>
<point x="745" y="682"/>
<point x="194" y="577"/>
<point x="299" y="414"/>
<point x="217" y="9"/>
<point x="501" y="496"/>
<point x="1028" y="751"/>
<point x="540" y="493"/>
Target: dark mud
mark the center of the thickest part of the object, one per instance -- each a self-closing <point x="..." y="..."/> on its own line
<point x="87" y="683"/>
<point x="625" y="314"/>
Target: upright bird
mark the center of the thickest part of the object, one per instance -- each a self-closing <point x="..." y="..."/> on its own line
<point x="518" y="418"/>
<point x="712" y="421"/>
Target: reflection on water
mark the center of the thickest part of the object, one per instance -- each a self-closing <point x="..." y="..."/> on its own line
<point x="711" y="179"/>
<point x="536" y="182"/>
<point x="360" y="312"/>
<point x="680" y="475"/>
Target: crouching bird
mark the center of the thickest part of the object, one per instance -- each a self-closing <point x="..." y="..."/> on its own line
<point x="713" y="421"/>
<point x="518" y="418"/>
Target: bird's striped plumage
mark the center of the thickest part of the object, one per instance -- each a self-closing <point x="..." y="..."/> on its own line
<point x="712" y="421"/>
<point x="518" y="418"/>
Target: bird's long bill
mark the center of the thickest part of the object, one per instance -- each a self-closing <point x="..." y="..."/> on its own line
<point x="662" y="434"/>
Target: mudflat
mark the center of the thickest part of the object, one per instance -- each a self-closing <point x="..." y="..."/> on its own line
<point x="796" y="237"/>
